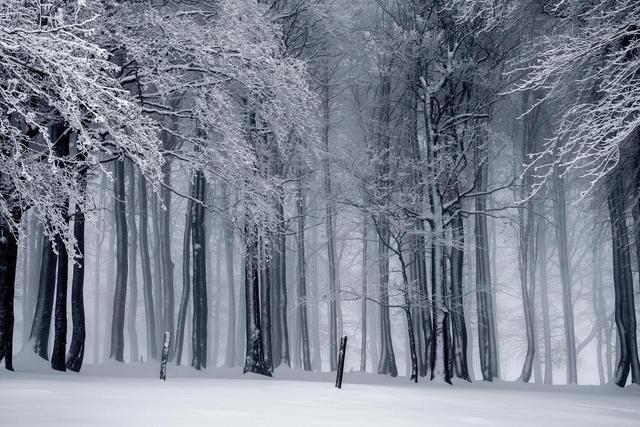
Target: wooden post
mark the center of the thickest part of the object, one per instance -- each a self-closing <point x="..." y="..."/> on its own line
<point x="165" y="356"/>
<point x="343" y="349"/>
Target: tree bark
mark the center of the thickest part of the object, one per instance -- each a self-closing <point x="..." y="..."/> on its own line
<point x="120" y="294"/>
<point x="198" y="231"/>
<point x="625" y="316"/>
<point x="75" y="355"/>
<point x="133" y="267"/>
<point x="363" y="316"/>
<point x="186" y="280"/>
<point x="147" y="281"/>
<point x="560" y="215"/>
<point x="41" y="325"/>
<point x="254" y="360"/>
<point x="459" y="326"/>
<point x="230" y="353"/>
<point x="302" y="275"/>
<point x="8" y="262"/>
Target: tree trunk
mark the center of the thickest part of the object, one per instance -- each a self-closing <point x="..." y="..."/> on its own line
<point x="542" y="270"/>
<point x="560" y="215"/>
<point x="75" y="355"/>
<point x="60" y="315"/>
<point x="120" y="294"/>
<point x="133" y="268"/>
<point x="165" y="256"/>
<point x="147" y="281"/>
<point x="459" y="326"/>
<point x="157" y="269"/>
<point x="598" y="304"/>
<point x="303" y="326"/>
<point x="410" y="325"/>
<point x="186" y="280"/>
<point x="487" y="341"/>
<point x="8" y="262"/>
<point x="254" y="360"/>
<point x="41" y="325"/>
<point x="363" y="330"/>
<point x="230" y="353"/>
<point x="625" y="313"/>
<point x="199" y="233"/>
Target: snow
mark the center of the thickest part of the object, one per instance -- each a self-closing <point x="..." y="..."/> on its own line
<point x="131" y="395"/>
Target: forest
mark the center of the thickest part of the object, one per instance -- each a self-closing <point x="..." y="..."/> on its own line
<point x="453" y="185"/>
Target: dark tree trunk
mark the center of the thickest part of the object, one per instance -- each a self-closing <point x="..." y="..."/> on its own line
<point x="8" y="261"/>
<point x="408" y="313"/>
<point x="387" y="363"/>
<point x="120" y="294"/>
<point x="280" y="326"/>
<point x="484" y="295"/>
<point x="158" y="281"/>
<point x="459" y="327"/>
<point x="265" y="306"/>
<point x="186" y="281"/>
<point x="198" y="231"/>
<point x="60" y="315"/>
<point x="147" y="283"/>
<point x="133" y="267"/>
<point x="254" y="360"/>
<point x="41" y="325"/>
<point x="75" y="354"/>
<point x="625" y="313"/>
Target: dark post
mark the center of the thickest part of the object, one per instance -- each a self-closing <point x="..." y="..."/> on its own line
<point x="343" y="349"/>
<point x="165" y="356"/>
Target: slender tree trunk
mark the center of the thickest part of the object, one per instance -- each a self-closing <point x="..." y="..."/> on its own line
<point x="303" y="326"/>
<point x="60" y="315"/>
<point x="598" y="302"/>
<point x="8" y="262"/>
<point x="165" y="256"/>
<point x="198" y="231"/>
<point x="120" y="295"/>
<point x="41" y="325"/>
<point x="484" y="295"/>
<point x="459" y="326"/>
<point x="230" y="354"/>
<point x="560" y="215"/>
<point x="133" y="268"/>
<point x="316" y="359"/>
<point x="542" y="270"/>
<point x="157" y="268"/>
<point x="363" y="330"/>
<point x="186" y="280"/>
<point x="413" y="356"/>
<point x="215" y="298"/>
<point x="147" y="281"/>
<point x="75" y="355"/>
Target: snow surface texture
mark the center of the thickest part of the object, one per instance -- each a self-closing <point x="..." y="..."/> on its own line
<point x="116" y="395"/>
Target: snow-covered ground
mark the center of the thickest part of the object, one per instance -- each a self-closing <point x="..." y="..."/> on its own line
<point x="109" y="395"/>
